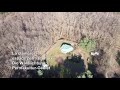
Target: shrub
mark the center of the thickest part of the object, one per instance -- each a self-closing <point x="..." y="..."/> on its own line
<point x="87" y="44"/>
<point x="40" y="73"/>
<point x="86" y="74"/>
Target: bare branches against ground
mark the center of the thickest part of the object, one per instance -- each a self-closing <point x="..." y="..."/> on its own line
<point x="41" y="30"/>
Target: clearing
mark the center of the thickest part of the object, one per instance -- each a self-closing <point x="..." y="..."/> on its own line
<point x="54" y="52"/>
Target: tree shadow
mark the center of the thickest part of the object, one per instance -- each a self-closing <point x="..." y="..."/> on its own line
<point x="116" y="75"/>
<point x="19" y="74"/>
<point x="70" y="68"/>
<point x="118" y="57"/>
<point x="92" y="68"/>
<point x="25" y="74"/>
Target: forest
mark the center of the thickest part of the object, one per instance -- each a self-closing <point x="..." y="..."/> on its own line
<point x="95" y="37"/>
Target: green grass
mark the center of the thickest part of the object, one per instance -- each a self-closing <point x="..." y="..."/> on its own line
<point x="55" y="52"/>
<point x="87" y="44"/>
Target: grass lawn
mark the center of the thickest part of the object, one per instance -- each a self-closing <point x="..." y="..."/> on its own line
<point x="55" y="52"/>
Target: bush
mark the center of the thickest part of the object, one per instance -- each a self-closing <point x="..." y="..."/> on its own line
<point x="87" y="44"/>
<point x="40" y="73"/>
<point x="86" y="74"/>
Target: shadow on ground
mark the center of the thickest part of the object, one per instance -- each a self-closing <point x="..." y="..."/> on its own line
<point x="118" y="57"/>
<point x="70" y="68"/>
<point x="92" y="68"/>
